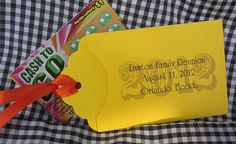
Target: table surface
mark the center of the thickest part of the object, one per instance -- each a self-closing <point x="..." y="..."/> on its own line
<point x="24" y="25"/>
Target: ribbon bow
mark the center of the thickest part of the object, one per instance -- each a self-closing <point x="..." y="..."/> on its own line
<point x="62" y="86"/>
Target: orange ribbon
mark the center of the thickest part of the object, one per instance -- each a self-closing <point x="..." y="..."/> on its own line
<point x="62" y="86"/>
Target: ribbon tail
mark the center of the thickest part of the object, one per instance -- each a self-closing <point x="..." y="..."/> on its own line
<point x="10" y="95"/>
<point x="27" y="96"/>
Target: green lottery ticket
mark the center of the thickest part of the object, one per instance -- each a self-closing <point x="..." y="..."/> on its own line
<point x="51" y="58"/>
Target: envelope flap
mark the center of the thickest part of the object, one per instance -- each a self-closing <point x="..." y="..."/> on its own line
<point x="84" y="67"/>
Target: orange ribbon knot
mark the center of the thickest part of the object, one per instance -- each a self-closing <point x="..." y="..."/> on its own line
<point x="62" y="86"/>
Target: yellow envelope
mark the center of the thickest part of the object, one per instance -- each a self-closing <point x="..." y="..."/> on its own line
<point x="150" y="75"/>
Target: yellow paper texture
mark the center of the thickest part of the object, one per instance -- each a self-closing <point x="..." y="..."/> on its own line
<point x="158" y="74"/>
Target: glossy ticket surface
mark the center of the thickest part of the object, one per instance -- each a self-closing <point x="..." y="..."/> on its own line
<point x="49" y="60"/>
